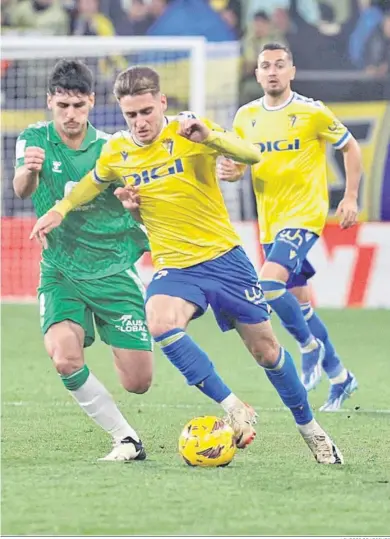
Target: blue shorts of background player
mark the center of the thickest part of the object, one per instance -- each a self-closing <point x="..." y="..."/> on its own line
<point x="290" y="250"/>
<point x="229" y="284"/>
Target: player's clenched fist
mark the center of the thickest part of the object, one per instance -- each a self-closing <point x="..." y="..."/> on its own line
<point x="228" y="170"/>
<point x="34" y="158"/>
<point x="44" y="225"/>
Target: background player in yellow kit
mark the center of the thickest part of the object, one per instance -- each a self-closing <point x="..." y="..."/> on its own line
<point x="290" y="185"/>
<point x="195" y="249"/>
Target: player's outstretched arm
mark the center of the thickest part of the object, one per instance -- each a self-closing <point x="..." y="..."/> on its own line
<point x="348" y="208"/>
<point x="85" y="191"/>
<point x="224" y="142"/>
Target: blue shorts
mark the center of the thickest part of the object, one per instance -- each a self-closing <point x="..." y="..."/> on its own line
<point x="229" y="284"/>
<point x="290" y="250"/>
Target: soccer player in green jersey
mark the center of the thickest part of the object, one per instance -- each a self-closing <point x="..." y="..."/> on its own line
<point x="87" y="268"/>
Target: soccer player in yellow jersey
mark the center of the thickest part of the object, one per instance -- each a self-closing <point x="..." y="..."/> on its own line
<point x="290" y="185"/>
<point x="195" y="249"/>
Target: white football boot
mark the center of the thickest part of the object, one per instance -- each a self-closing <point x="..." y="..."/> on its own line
<point x="126" y="450"/>
<point x="241" y="419"/>
<point x="320" y="444"/>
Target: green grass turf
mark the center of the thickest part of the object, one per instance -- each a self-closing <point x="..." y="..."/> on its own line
<point x="52" y="483"/>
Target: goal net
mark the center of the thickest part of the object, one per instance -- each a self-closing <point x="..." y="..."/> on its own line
<point x="195" y="75"/>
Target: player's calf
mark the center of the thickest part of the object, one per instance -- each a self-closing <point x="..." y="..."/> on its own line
<point x="135" y="369"/>
<point x="261" y="343"/>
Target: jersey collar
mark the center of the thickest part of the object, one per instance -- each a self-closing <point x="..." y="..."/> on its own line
<point x="91" y="136"/>
<point x="278" y="107"/>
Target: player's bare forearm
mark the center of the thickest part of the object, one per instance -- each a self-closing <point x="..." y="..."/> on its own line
<point x="25" y="182"/>
<point x="230" y="145"/>
<point x="85" y="191"/>
<point x="353" y="168"/>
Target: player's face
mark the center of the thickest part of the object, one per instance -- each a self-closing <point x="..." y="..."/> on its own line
<point x="275" y="72"/>
<point x="144" y="115"/>
<point x="70" y="112"/>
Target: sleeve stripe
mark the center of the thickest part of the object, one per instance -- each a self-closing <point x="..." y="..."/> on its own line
<point x="96" y="178"/>
<point x="343" y="141"/>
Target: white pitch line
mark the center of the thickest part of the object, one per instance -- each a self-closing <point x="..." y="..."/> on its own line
<point x="61" y="404"/>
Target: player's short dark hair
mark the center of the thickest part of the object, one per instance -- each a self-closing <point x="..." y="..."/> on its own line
<point x="261" y="15"/>
<point x="70" y="76"/>
<point x="277" y="47"/>
<point x="137" y="80"/>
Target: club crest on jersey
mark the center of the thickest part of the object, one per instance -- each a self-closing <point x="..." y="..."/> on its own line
<point x="57" y="167"/>
<point x="168" y="145"/>
<point x="293" y="119"/>
<point x="124" y="155"/>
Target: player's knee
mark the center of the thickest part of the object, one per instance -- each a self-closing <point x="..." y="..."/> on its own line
<point x="265" y="351"/>
<point x="66" y="354"/>
<point x="274" y="271"/>
<point x="137" y="385"/>
<point x="64" y="344"/>
<point x="162" y="322"/>
<point x="164" y="314"/>
<point x="67" y="363"/>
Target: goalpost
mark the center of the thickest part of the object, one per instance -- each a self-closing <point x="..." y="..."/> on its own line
<point x="195" y="75"/>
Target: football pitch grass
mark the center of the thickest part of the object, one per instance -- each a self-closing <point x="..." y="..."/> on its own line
<point x="52" y="483"/>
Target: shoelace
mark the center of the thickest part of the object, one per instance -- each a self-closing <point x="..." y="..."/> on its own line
<point x="251" y="418"/>
<point x="319" y="440"/>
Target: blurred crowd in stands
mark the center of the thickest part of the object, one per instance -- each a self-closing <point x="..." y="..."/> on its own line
<point x="343" y="34"/>
<point x="334" y="35"/>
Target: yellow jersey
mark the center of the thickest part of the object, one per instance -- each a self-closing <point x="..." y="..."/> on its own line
<point x="290" y="181"/>
<point x="181" y="204"/>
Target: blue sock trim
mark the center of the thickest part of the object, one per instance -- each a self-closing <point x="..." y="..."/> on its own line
<point x="279" y="362"/>
<point x="271" y="285"/>
<point x="169" y="333"/>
